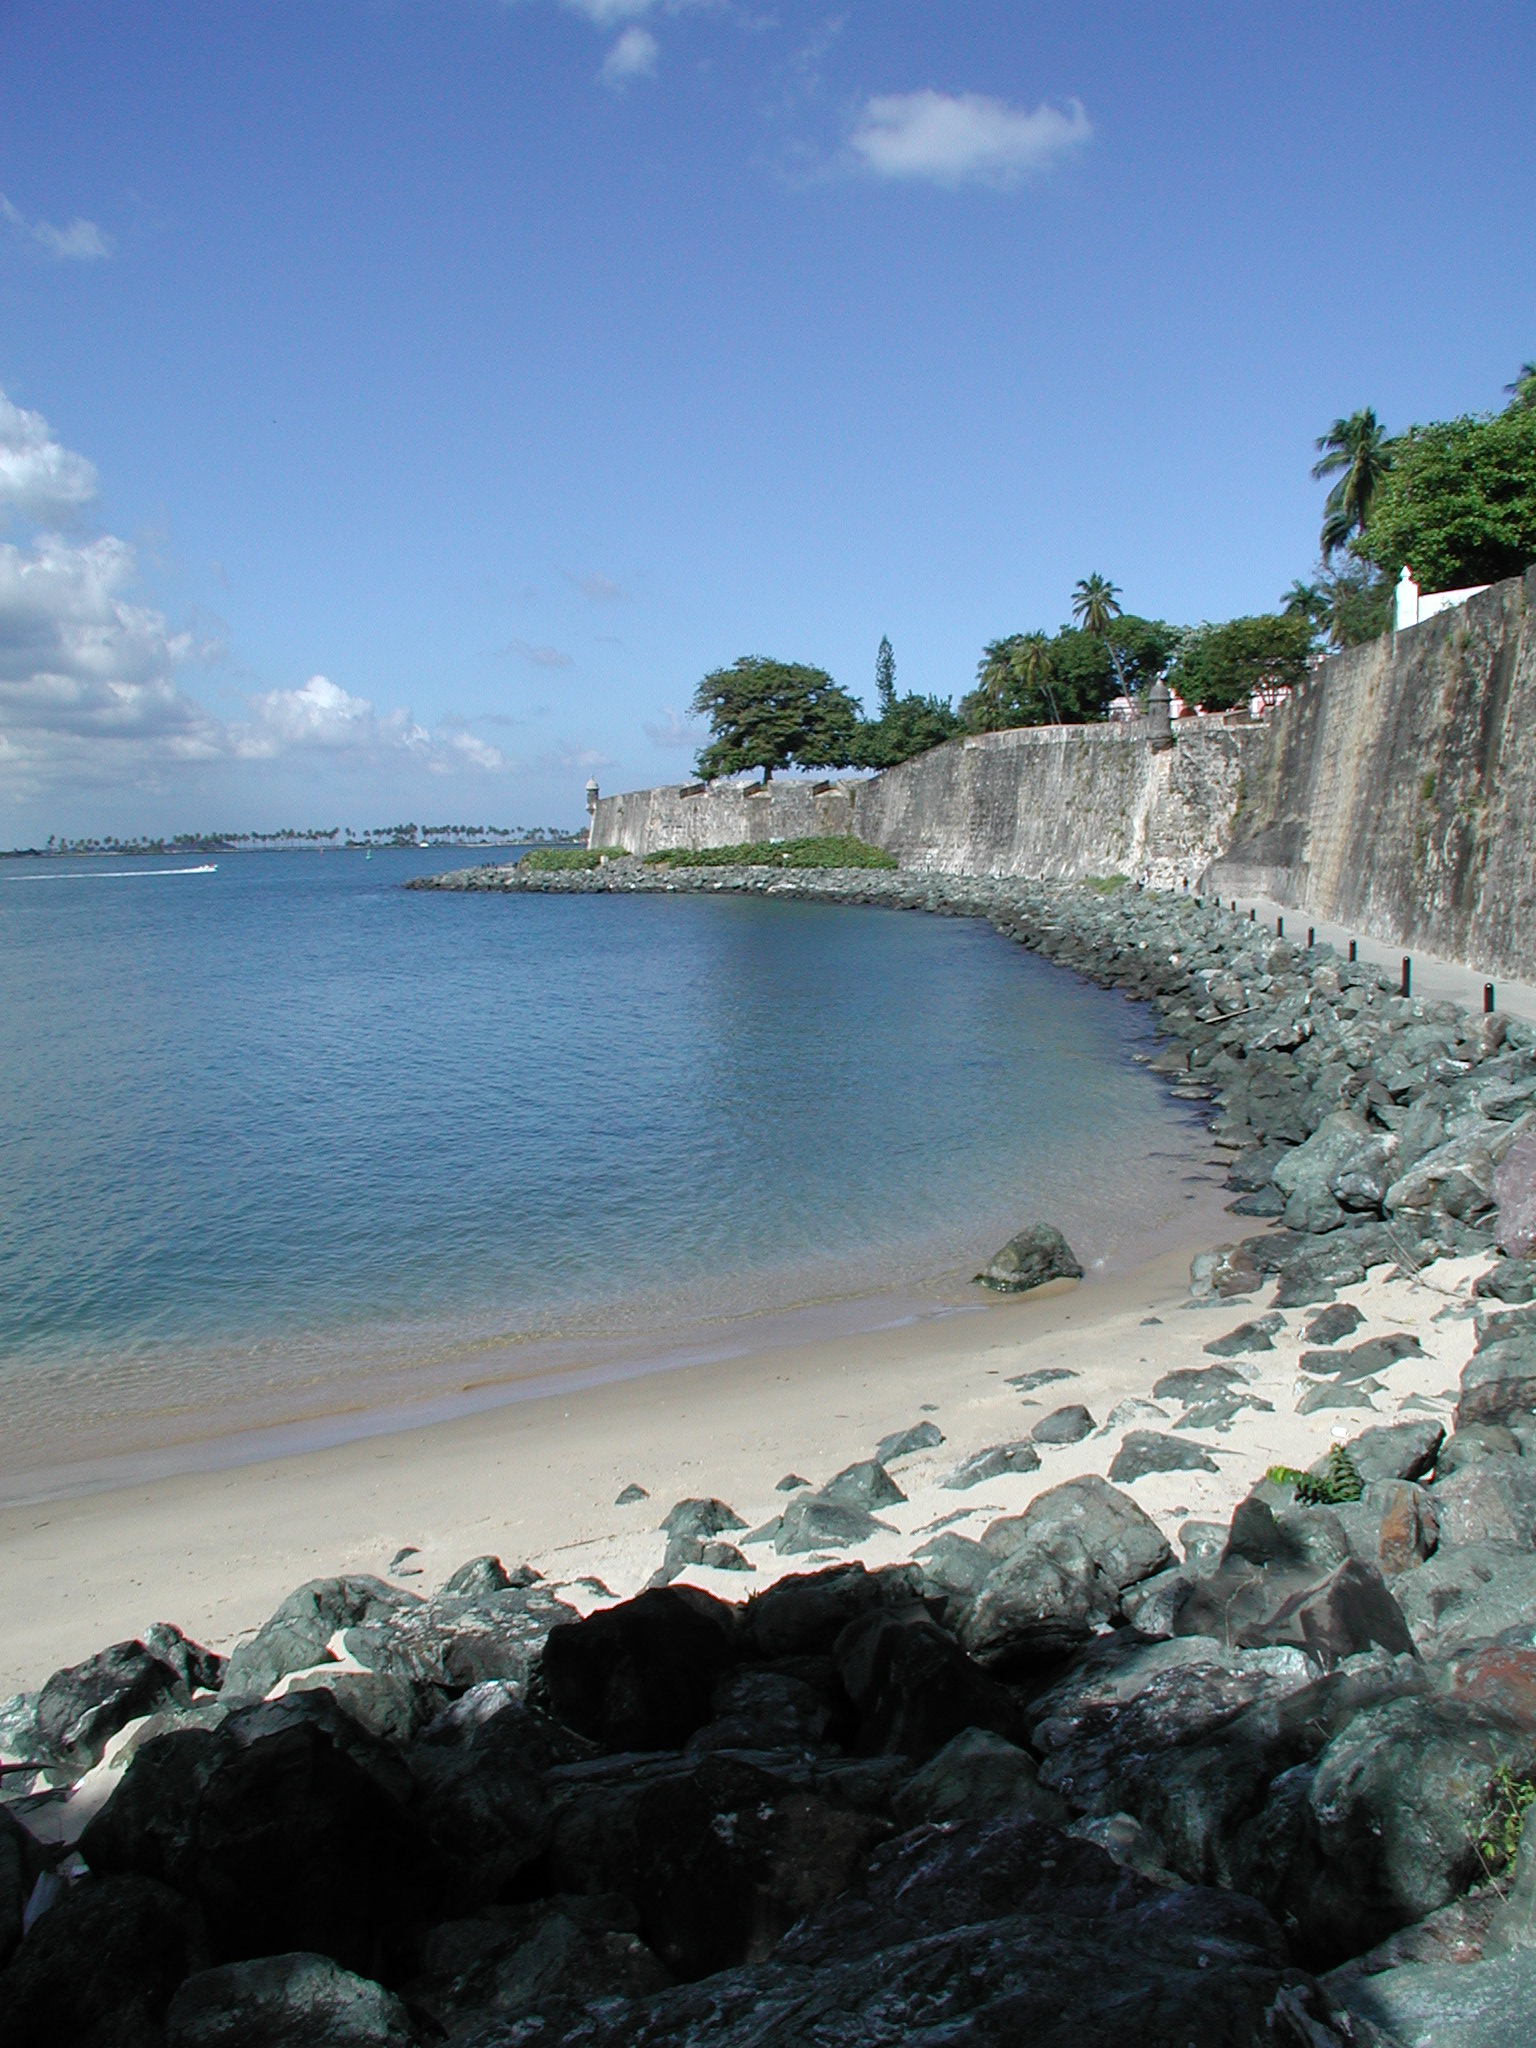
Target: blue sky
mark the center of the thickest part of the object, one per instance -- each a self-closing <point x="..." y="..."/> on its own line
<point x="406" y="403"/>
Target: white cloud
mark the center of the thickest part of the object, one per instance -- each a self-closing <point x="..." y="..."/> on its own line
<point x="600" y="589"/>
<point x="671" y="730"/>
<point x="963" y="138"/>
<point x="540" y="656"/>
<point x="79" y="242"/>
<point x="632" y="56"/>
<point x="609" y="13"/>
<point x="38" y="478"/>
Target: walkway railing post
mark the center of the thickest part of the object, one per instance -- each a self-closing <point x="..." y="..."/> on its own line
<point x="1407" y="973"/>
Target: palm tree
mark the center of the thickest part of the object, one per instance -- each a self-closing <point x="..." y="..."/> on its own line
<point x="1357" y="452"/>
<point x="1030" y="660"/>
<point x="1095" y="604"/>
<point x="1522" y="392"/>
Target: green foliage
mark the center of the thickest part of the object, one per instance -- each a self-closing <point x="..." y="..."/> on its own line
<point x="1340" y="1482"/>
<point x="1105" y="885"/>
<point x="1222" y="666"/>
<point x="1522" y="393"/>
<point x="559" y="860"/>
<point x="1357" y="452"/>
<point x="1459" y="503"/>
<point x="911" y="726"/>
<point x="885" y="676"/>
<point x="1068" y="678"/>
<point x="830" y="852"/>
<point x="774" y="714"/>
<point x="1509" y="1800"/>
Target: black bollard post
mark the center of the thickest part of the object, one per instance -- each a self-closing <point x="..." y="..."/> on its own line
<point x="1253" y="916"/>
<point x="1407" y="973"/>
<point x="1279" y="927"/>
<point x="1487" y="998"/>
<point x="1351" y="952"/>
<point x="1311" y="935"/>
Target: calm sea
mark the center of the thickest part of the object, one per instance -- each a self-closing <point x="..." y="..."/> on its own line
<point x="284" y="1141"/>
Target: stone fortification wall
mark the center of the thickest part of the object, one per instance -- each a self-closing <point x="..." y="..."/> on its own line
<point x="1397" y="792"/>
<point x="1058" y="802"/>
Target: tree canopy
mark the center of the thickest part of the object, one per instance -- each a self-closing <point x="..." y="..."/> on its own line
<point x="1067" y="678"/>
<point x="1458" y="505"/>
<point x="1220" y="667"/>
<point x="774" y="714"/>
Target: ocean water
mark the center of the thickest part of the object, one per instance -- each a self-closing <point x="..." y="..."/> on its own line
<point x="283" y="1141"/>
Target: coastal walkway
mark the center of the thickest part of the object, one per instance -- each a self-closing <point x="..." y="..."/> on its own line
<point x="1431" y="976"/>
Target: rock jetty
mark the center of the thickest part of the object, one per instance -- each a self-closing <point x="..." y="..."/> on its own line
<point x="1063" y="1782"/>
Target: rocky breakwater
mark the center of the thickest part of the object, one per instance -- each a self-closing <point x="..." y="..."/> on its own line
<point x="1058" y="1780"/>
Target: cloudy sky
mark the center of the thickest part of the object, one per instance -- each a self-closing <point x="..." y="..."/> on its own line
<point x="406" y="401"/>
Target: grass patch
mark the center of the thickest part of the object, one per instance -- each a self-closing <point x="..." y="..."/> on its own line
<point x="1105" y="885"/>
<point x="1509" y="1798"/>
<point x="559" y="860"/>
<point x="843" y="852"/>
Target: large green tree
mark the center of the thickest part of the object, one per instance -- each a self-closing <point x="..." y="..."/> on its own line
<point x="1356" y="453"/>
<point x="774" y="714"/>
<point x="1459" y="503"/>
<point x="1221" y="667"/>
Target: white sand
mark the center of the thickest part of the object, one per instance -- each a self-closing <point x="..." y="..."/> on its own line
<point x="217" y="1551"/>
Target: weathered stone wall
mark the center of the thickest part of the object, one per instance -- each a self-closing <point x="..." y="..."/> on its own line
<point x="1060" y="801"/>
<point x="1397" y="793"/>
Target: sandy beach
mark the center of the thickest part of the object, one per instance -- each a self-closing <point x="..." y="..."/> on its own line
<point x="537" y="1481"/>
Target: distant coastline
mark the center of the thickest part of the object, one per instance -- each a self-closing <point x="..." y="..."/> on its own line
<point x="314" y="839"/>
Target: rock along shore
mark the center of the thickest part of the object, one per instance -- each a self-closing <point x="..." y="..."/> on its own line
<point x="1052" y="1781"/>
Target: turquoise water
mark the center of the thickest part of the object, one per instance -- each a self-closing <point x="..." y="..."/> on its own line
<point x="286" y="1139"/>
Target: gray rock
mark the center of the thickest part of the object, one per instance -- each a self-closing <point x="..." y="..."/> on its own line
<point x="1493" y="1501"/>
<point x="1363" y="1361"/>
<point x="1062" y="1568"/>
<point x="724" y="1557"/>
<point x="1043" y="1376"/>
<point x="1258" y="1335"/>
<point x="755" y="1709"/>
<point x="1340" y="1319"/>
<point x="996" y="1463"/>
<point x="790" y="1483"/>
<point x="811" y="1523"/>
<point x="628" y="1495"/>
<point x="98" y="1968"/>
<point x="955" y="1568"/>
<point x="1344" y="1165"/>
<point x="1338" y="1394"/>
<point x="1514" y="1923"/>
<point x="19" y="1870"/>
<point x="864" y="1485"/>
<point x="1203" y="1544"/>
<point x="1191" y="1384"/>
<point x="81" y="1708"/>
<point x="1067" y="1425"/>
<point x="297" y="2001"/>
<point x="1491" y="2004"/>
<point x="1511" y="1280"/>
<point x="1317" y="1268"/>
<point x="1514" y="1190"/>
<point x="1468" y="1593"/>
<point x="1479" y="1440"/>
<point x="1144" y="1451"/>
<point x="1401" y="1450"/>
<point x="701" y="1519"/>
<point x="1498" y="1381"/>
<point x="297" y="1637"/>
<point x="1037" y="1254"/>
<point x="923" y="1436"/>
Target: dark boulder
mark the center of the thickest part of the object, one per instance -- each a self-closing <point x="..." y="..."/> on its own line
<point x="1512" y="1281"/>
<point x="98" y="1969"/>
<point x="1488" y="2004"/>
<point x="1340" y="1319"/>
<point x="1037" y="1254"/>
<point x="1067" y="1425"/>
<point x="628" y="1496"/>
<point x="1469" y="1593"/>
<point x="1493" y="1501"/>
<point x="81" y="1708"/>
<point x="922" y="1436"/>
<point x="19" y="1867"/>
<point x="289" y="1826"/>
<point x="701" y="1518"/>
<point x="1363" y="1361"/>
<point x="912" y="1685"/>
<point x="288" y="2001"/>
<point x="543" y="1961"/>
<point x="977" y="1775"/>
<point x="478" y="1772"/>
<point x="298" y="1635"/>
<point x="1470" y="1446"/>
<point x="640" y="1675"/>
<point x="719" y="1853"/>
<point x="1255" y="1336"/>
<point x="805" y="1615"/>
<point x="799" y="1711"/>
